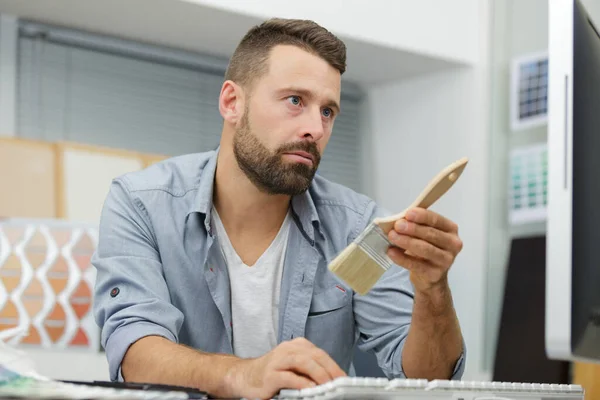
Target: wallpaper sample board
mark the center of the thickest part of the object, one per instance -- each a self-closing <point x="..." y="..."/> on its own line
<point x="529" y="91"/>
<point x="28" y="179"/>
<point x="85" y="177"/>
<point x="528" y="190"/>
<point x="46" y="283"/>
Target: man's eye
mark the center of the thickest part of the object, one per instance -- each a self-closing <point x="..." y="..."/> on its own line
<point x="295" y="100"/>
<point x="327" y="112"/>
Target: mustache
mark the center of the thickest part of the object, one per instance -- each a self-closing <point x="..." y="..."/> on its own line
<point x="309" y="147"/>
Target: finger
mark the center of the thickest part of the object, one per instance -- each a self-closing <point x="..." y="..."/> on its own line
<point x="422" y="249"/>
<point x="438" y="238"/>
<point x="431" y="218"/>
<point x="424" y="271"/>
<point x="328" y="364"/>
<point x="411" y="263"/>
<point x="320" y="356"/>
<point x="305" y="365"/>
<point x="290" y="380"/>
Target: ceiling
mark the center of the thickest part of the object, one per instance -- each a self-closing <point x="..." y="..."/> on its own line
<point x="200" y="28"/>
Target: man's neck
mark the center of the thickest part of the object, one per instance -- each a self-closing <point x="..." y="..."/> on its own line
<point x="244" y="210"/>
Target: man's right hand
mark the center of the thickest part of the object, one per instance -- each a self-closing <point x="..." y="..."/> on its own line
<point x="296" y="364"/>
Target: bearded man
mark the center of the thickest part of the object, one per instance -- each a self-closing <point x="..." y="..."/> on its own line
<point x="212" y="267"/>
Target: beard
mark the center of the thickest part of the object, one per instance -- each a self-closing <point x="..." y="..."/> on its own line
<point x="266" y="169"/>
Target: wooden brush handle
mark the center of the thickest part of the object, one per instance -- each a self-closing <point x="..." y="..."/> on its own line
<point x="432" y="192"/>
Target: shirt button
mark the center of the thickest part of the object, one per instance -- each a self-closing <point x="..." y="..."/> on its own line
<point x="114" y="292"/>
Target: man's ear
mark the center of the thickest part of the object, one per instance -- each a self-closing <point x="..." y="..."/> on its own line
<point x="231" y="102"/>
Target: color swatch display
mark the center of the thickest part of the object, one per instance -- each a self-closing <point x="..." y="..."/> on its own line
<point x="529" y="91"/>
<point x="46" y="283"/>
<point x="528" y="191"/>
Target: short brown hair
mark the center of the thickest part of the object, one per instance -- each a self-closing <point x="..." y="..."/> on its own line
<point x="249" y="60"/>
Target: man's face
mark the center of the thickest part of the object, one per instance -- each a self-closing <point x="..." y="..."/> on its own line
<point x="287" y="121"/>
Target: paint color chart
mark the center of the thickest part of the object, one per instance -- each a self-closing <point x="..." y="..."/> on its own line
<point x="528" y="192"/>
<point x="46" y="283"/>
<point x="533" y="88"/>
<point x="529" y="91"/>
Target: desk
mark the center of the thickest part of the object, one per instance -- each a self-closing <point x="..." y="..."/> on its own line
<point x="588" y="376"/>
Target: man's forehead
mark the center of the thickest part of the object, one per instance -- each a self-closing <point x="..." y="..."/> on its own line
<point x="292" y="66"/>
<point x="292" y="59"/>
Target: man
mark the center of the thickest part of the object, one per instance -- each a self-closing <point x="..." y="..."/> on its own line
<point x="212" y="267"/>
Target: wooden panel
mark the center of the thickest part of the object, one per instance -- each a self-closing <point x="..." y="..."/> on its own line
<point x="149" y="159"/>
<point x="85" y="175"/>
<point x="588" y="376"/>
<point x="27" y="176"/>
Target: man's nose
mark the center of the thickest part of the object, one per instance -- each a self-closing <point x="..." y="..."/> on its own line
<point x="313" y="126"/>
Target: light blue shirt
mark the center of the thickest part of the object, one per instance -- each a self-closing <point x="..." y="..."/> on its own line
<point x="159" y="270"/>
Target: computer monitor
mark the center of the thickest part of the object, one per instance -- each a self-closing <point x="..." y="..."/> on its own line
<point x="573" y="224"/>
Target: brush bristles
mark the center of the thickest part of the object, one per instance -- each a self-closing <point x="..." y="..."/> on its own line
<point x="355" y="267"/>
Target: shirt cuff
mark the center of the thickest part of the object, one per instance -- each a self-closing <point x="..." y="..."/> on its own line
<point x="122" y="338"/>
<point x="459" y="368"/>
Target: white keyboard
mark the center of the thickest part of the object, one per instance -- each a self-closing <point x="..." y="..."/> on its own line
<point x="381" y="388"/>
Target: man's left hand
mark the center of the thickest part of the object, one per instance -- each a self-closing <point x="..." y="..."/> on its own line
<point x="427" y="245"/>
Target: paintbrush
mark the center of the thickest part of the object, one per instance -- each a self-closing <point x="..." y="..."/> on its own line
<point x="365" y="260"/>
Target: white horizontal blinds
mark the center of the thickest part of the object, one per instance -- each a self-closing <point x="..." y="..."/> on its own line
<point x="41" y="90"/>
<point x="341" y="159"/>
<point x="109" y="99"/>
<point x="103" y="91"/>
<point x="139" y="105"/>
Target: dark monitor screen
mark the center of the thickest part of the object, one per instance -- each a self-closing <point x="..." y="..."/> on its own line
<point x="573" y="230"/>
<point x="585" y="308"/>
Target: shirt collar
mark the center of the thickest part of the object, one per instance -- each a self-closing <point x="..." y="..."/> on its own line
<point x="303" y="206"/>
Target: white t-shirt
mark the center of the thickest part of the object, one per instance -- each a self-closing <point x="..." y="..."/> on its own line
<point x="254" y="292"/>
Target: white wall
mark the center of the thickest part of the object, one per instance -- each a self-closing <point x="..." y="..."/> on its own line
<point x="418" y="127"/>
<point x="442" y="28"/>
<point x="520" y="28"/>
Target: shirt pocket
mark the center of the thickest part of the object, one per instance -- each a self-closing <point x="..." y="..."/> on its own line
<point x="330" y="324"/>
<point x="328" y="301"/>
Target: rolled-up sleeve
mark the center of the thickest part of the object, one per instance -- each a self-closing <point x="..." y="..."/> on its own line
<point x="131" y="297"/>
<point x="383" y="316"/>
